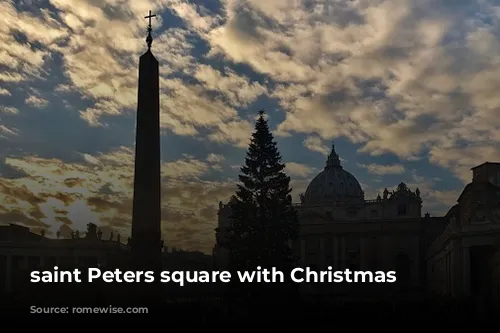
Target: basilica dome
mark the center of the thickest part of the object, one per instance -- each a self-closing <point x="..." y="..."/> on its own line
<point x="333" y="184"/>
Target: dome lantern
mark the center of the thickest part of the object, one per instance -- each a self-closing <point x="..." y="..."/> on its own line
<point x="333" y="184"/>
<point x="333" y="160"/>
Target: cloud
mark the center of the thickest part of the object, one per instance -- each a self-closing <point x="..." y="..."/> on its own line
<point x="237" y="89"/>
<point x="8" y="110"/>
<point x="315" y="143"/>
<point x="401" y="77"/>
<point x="4" y="92"/>
<point x="22" y="61"/>
<point x="187" y="168"/>
<point x="189" y="108"/>
<point x="378" y="169"/>
<point x="106" y="72"/>
<point x="98" y="44"/>
<point x="6" y="133"/>
<point x="299" y="170"/>
<point x="36" y="101"/>
<point x="461" y="159"/>
<point x="214" y="158"/>
<point x="53" y="194"/>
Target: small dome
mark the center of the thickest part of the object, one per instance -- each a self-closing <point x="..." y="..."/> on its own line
<point x="333" y="184"/>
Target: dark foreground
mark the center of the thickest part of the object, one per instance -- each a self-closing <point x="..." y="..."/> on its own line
<point x="233" y="315"/>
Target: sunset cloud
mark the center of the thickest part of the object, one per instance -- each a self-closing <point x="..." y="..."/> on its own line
<point x="53" y="194"/>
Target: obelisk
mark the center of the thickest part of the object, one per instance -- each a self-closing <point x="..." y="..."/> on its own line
<point x="146" y="220"/>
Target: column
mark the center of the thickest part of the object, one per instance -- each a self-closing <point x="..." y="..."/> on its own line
<point x="289" y="243"/>
<point x="364" y="247"/>
<point x="336" y="257"/>
<point x="322" y="252"/>
<point x="8" y="272"/>
<point x="447" y="273"/>
<point x="450" y="268"/>
<point x="466" y="270"/>
<point x="303" y="251"/>
<point x="455" y="264"/>
<point x="343" y="252"/>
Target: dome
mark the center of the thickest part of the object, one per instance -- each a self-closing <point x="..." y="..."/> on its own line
<point x="333" y="184"/>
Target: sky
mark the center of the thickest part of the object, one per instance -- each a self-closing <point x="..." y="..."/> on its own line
<point x="407" y="89"/>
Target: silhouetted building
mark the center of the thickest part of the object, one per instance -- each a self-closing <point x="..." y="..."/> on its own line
<point x="464" y="260"/>
<point x="181" y="260"/>
<point x="341" y="229"/>
<point x="22" y="251"/>
<point x="187" y="261"/>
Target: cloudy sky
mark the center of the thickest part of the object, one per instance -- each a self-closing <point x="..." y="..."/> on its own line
<point x="408" y="89"/>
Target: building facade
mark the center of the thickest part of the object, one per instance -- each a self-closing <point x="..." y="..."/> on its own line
<point x="22" y="251"/>
<point x="341" y="229"/>
<point x="464" y="261"/>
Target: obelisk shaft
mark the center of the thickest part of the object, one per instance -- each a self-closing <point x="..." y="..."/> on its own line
<point x="146" y="221"/>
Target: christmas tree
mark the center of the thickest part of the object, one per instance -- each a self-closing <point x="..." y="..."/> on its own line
<point x="263" y="218"/>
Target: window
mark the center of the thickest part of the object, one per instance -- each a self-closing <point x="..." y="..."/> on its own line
<point x="373" y="213"/>
<point x="402" y="209"/>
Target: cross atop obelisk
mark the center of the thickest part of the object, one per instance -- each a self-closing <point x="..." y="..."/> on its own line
<point x="149" y="39"/>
